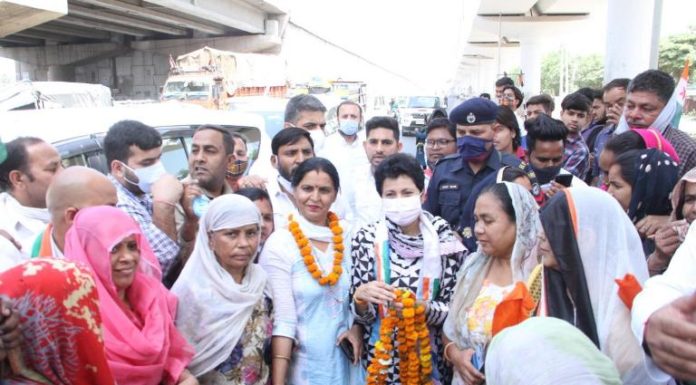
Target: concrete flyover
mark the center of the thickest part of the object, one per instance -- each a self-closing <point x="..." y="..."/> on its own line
<point x="125" y="44"/>
<point x="503" y="34"/>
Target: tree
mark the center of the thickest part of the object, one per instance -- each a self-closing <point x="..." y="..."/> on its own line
<point x="578" y="71"/>
<point x="674" y="50"/>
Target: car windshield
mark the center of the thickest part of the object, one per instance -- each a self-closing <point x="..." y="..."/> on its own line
<point x="422" y="102"/>
<point x="186" y="87"/>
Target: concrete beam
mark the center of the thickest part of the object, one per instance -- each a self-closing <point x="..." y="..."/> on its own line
<point x="124" y="20"/>
<point x="104" y="26"/>
<point x="535" y="19"/>
<point x="494" y="44"/>
<point x="61" y="55"/>
<point x="14" y="39"/>
<point x="31" y="33"/>
<point x="18" y="15"/>
<point x="231" y="13"/>
<point x="153" y="15"/>
<point x="65" y="30"/>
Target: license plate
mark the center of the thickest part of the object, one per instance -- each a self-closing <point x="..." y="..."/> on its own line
<point x="419" y="121"/>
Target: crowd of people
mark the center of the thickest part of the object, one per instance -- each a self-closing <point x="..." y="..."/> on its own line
<point x="527" y="250"/>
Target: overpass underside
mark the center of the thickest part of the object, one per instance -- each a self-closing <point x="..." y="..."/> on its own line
<point x="126" y="44"/>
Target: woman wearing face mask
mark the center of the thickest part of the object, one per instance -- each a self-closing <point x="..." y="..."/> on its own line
<point x="417" y="252"/>
<point x="490" y="293"/>
<point x="309" y="279"/>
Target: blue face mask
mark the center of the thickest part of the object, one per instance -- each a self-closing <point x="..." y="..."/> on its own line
<point x="472" y="148"/>
<point x="348" y="127"/>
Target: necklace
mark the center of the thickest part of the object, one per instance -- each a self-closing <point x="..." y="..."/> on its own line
<point x="306" y="250"/>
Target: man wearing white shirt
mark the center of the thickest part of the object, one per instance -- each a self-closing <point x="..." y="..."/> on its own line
<point x="309" y="113"/>
<point x="663" y="315"/>
<point x="291" y="146"/>
<point x="382" y="140"/>
<point x="25" y="175"/>
<point x="345" y="147"/>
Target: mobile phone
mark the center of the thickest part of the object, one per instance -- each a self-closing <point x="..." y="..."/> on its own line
<point x="564" y="179"/>
<point x="347" y="349"/>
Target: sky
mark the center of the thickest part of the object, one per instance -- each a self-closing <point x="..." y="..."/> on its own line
<point x="423" y="39"/>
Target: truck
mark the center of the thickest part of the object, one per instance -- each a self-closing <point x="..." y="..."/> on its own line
<point x="211" y="77"/>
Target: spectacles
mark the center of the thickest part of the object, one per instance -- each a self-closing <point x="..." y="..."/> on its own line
<point x="438" y="142"/>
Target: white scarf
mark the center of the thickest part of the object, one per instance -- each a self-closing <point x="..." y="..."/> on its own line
<point x="214" y="309"/>
<point x="663" y="120"/>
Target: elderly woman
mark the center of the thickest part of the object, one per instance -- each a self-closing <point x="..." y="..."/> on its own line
<point x="670" y="236"/>
<point x="309" y="279"/>
<point x="641" y="181"/>
<point x="226" y="317"/>
<point x="143" y="347"/>
<point x="490" y="292"/>
<point x="54" y="304"/>
<point x="413" y="250"/>
<point x="593" y="268"/>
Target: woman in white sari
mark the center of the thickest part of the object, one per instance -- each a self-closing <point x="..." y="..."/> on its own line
<point x="223" y="311"/>
<point x="490" y="287"/>
<point x="590" y="247"/>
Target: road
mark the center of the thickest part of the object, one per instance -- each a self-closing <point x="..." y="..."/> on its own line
<point x="409" y="145"/>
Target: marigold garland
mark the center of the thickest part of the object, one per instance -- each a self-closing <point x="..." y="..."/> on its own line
<point x="413" y="338"/>
<point x="306" y="250"/>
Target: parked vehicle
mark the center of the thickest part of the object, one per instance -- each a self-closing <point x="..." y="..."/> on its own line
<point x="28" y="95"/>
<point x="78" y="133"/>
<point x="417" y="111"/>
<point x="210" y="77"/>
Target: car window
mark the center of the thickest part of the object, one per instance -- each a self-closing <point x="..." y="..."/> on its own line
<point x="77" y="160"/>
<point x="174" y="156"/>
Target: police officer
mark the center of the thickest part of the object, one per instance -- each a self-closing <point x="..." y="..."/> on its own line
<point x="456" y="175"/>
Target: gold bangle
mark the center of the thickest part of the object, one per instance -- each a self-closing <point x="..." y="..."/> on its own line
<point x="445" y="351"/>
<point x="286" y="358"/>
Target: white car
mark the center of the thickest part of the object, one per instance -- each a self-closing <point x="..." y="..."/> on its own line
<point x="78" y="133"/>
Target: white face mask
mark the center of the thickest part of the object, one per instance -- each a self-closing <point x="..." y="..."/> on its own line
<point x="318" y="137"/>
<point x="348" y="127"/>
<point x="147" y="176"/>
<point x="402" y="211"/>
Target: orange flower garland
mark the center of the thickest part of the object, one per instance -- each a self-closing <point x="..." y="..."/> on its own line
<point x="306" y="250"/>
<point x="413" y="338"/>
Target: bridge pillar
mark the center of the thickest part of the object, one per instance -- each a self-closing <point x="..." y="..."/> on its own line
<point x="630" y="44"/>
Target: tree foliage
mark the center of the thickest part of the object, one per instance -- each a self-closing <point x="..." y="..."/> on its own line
<point x="582" y="71"/>
<point x="674" y="50"/>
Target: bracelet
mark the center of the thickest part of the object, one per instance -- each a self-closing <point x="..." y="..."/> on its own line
<point x="165" y="202"/>
<point x="445" y="351"/>
<point x="286" y="358"/>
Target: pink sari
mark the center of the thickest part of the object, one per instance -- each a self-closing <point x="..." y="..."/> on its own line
<point x="143" y="347"/>
<point x="653" y="139"/>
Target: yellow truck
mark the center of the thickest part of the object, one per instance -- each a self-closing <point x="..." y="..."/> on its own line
<point x="210" y="77"/>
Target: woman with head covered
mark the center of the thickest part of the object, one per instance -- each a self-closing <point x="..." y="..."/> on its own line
<point x="226" y="317"/>
<point x="143" y="347"/>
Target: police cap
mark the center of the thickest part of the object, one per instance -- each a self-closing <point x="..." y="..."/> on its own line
<point x="473" y="112"/>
